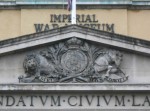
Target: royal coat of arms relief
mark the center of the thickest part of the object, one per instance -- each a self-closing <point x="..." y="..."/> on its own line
<point x="74" y="61"/>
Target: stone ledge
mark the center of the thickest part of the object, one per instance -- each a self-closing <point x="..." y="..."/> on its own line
<point x="7" y="6"/>
<point x="75" y="109"/>
<point x="75" y="87"/>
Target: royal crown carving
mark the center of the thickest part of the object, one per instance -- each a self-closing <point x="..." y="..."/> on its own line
<point x="74" y="60"/>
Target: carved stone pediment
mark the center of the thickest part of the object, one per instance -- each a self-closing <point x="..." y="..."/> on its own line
<point x="75" y="54"/>
<point x="74" y="60"/>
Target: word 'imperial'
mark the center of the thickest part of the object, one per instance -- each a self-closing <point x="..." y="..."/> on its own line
<point x="59" y="20"/>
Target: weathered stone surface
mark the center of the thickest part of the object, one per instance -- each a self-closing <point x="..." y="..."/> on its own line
<point x="74" y="60"/>
<point x="79" y="51"/>
<point x="75" y="100"/>
<point x="74" y="87"/>
<point x="75" y="109"/>
<point x="135" y="60"/>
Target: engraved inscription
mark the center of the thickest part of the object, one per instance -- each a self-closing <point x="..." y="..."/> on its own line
<point x="97" y="101"/>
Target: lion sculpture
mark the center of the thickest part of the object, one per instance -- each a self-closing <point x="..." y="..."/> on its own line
<point x="36" y="65"/>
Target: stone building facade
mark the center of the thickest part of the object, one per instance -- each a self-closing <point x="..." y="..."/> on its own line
<point x="74" y="67"/>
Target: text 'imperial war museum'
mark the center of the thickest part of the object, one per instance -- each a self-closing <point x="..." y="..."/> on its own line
<point x="99" y="64"/>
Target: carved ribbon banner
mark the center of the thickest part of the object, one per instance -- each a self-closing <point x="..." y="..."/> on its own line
<point x="74" y="61"/>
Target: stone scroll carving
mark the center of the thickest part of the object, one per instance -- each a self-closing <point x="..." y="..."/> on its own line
<point x="74" y="61"/>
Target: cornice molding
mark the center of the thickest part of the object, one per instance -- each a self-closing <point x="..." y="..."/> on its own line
<point x="111" y="39"/>
<point x="63" y="87"/>
<point x="129" y="7"/>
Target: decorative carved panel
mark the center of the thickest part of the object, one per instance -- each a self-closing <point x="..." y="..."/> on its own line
<point x="74" y="61"/>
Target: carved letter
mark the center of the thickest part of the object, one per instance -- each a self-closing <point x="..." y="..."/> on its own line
<point x="55" y="102"/>
<point x="119" y="102"/>
<point x="146" y="101"/>
<point x="38" y="27"/>
<point x="65" y="17"/>
<point x="57" y="18"/>
<point x="89" y="101"/>
<point x="94" y="18"/>
<point x="107" y="101"/>
<point x="1" y="102"/>
<point x="43" y="101"/>
<point x="88" y="18"/>
<point x="78" y="18"/>
<point x="110" y="28"/>
<point x="98" y="101"/>
<point x="21" y="101"/>
<point x="83" y="16"/>
<point x="55" y="26"/>
<point x="134" y="101"/>
<point x="10" y="100"/>
<point x="69" y="100"/>
<point x="93" y="26"/>
<point x="51" y="18"/>
<point x="32" y="100"/>
<point x="80" y="104"/>
<point x="46" y="27"/>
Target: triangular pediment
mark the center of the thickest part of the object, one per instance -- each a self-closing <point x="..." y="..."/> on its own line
<point x="66" y="32"/>
<point x="75" y="54"/>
